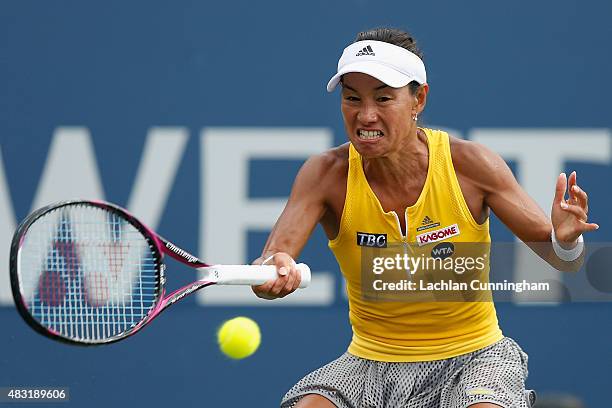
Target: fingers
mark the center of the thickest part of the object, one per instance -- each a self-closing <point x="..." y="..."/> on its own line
<point x="263" y="290"/>
<point x="577" y="196"/>
<point x="568" y="228"/>
<point x="576" y="210"/>
<point x="280" y="283"/>
<point x="560" y="189"/>
<point x="580" y="197"/>
<point x="590" y="226"/>
<point x="581" y="214"/>
<point x="571" y="187"/>
<point x="288" y="278"/>
<point x="284" y="285"/>
<point x="289" y="285"/>
<point x="571" y="180"/>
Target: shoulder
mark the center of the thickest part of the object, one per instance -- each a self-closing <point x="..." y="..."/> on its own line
<point x="476" y="162"/>
<point x="330" y="163"/>
<point x="334" y="157"/>
<point x="324" y="171"/>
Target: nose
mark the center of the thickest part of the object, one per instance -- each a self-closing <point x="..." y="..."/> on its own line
<point x="367" y="113"/>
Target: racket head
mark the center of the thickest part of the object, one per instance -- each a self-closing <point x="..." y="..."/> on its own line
<point x="86" y="272"/>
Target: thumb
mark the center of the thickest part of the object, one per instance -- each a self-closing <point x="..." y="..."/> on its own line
<point x="560" y="189"/>
<point x="284" y="262"/>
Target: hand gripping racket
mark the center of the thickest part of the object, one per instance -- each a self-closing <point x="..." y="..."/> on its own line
<point x="88" y="272"/>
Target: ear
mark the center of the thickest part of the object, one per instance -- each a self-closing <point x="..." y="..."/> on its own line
<point x="421" y="98"/>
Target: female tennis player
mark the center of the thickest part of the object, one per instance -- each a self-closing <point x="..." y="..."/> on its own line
<point x="396" y="182"/>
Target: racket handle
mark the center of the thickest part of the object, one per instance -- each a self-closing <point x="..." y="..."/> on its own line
<point x="249" y="274"/>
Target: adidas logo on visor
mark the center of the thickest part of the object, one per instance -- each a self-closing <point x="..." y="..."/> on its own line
<point x="366" y="51"/>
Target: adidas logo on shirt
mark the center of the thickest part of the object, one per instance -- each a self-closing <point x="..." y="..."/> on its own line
<point x="366" y="51"/>
<point x="427" y="223"/>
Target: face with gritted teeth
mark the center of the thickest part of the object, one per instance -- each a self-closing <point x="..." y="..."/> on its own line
<point x="377" y="117"/>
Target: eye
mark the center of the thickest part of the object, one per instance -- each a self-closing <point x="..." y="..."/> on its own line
<point x="383" y="99"/>
<point x="351" y="98"/>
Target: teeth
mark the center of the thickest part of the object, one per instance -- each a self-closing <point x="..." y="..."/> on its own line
<point x="369" y="134"/>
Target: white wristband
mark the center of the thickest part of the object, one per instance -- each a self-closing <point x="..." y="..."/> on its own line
<point x="567" y="255"/>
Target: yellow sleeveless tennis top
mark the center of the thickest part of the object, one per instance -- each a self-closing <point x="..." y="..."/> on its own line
<point x="395" y="331"/>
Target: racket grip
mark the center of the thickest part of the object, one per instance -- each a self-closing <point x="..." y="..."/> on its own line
<point x="249" y="274"/>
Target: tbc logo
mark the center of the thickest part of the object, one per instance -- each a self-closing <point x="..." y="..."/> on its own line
<point x="438" y="235"/>
<point x="372" y="240"/>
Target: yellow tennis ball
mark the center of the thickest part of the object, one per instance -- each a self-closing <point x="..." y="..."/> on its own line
<point x="239" y="337"/>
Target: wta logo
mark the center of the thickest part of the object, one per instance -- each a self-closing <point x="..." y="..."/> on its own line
<point x="438" y="235"/>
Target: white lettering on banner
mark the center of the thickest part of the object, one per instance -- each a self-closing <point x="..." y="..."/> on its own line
<point x="226" y="211"/>
<point x="438" y="235"/>
<point x="541" y="154"/>
<point x="160" y="160"/>
<point x="71" y="169"/>
<point x="71" y="172"/>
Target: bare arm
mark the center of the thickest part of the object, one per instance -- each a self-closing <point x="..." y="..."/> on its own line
<point x="305" y="207"/>
<point x="519" y="212"/>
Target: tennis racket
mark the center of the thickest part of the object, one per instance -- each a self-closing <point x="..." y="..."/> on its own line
<point x="89" y="273"/>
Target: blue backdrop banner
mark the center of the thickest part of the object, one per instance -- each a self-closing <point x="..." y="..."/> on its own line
<point x="196" y="116"/>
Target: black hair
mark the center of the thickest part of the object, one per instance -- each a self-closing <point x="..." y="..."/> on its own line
<point x="396" y="37"/>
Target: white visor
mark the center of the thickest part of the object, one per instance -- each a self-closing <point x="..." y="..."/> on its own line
<point x="393" y="65"/>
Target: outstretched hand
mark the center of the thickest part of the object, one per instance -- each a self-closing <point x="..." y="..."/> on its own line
<point x="569" y="217"/>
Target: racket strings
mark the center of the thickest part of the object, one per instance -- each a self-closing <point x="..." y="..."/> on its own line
<point x="85" y="273"/>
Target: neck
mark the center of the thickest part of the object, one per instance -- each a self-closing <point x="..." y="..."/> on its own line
<point x="411" y="158"/>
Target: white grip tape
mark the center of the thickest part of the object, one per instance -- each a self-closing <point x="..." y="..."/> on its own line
<point x="249" y="274"/>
